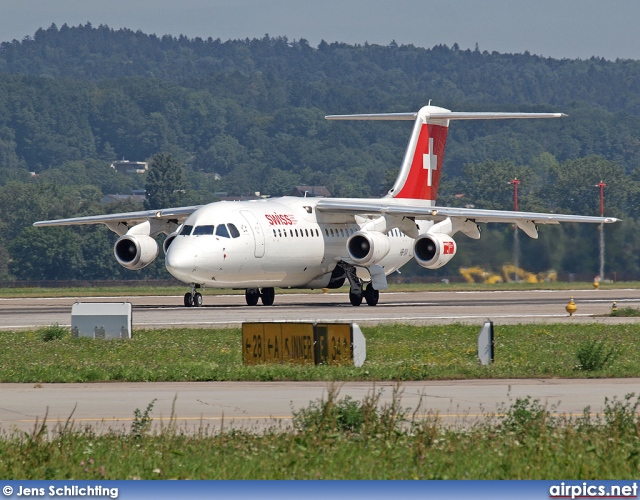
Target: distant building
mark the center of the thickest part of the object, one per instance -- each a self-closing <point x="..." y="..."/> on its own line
<point x="310" y="191"/>
<point x="130" y="167"/>
<point x="240" y="198"/>
<point x="138" y="195"/>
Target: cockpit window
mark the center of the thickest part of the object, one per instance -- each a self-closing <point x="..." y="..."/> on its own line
<point x="186" y="230"/>
<point x="234" y="231"/>
<point x="201" y="230"/>
<point x="222" y="231"/>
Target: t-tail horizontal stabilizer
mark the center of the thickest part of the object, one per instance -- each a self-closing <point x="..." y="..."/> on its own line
<point x="419" y="174"/>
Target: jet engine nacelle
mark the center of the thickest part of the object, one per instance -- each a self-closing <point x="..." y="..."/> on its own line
<point x="168" y="240"/>
<point x="135" y="251"/>
<point x="434" y="250"/>
<point x="367" y="248"/>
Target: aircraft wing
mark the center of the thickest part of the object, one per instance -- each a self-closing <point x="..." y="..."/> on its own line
<point x="420" y="210"/>
<point x="127" y="218"/>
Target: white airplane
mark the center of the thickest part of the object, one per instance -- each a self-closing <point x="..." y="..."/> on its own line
<point x="293" y="242"/>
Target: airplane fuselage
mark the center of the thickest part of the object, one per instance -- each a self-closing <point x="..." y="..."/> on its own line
<point x="279" y="242"/>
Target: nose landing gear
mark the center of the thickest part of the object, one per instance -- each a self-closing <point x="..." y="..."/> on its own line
<point x="193" y="298"/>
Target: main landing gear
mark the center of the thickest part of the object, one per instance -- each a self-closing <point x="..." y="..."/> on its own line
<point x="193" y="298"/>
<point x="267" y="295"/>
<point x="356" y="291"/>
<point x="369" y="294"/>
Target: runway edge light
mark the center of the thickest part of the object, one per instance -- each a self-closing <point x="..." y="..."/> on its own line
<point x="486" y="344"/>
<point x="571" y="307"/>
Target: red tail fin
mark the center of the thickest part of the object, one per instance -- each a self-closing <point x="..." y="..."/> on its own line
<point x="419" y="175"/>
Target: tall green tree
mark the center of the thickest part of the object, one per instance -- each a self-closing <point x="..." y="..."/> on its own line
<point x="166" y="185"/>
<point x="53" y="254"/>
<point x="572" y="186"/>
<point x="486" y="185"/>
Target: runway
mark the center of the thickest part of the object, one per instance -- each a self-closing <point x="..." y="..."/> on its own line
<point x="258" y="405"/>
<point x="420" y="308"/>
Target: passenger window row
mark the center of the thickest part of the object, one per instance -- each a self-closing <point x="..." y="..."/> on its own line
<point x="295" y="233"/>
<point x="222" y="230"/>
<point x="339" y="232"/>
<point x="346" y="232"/>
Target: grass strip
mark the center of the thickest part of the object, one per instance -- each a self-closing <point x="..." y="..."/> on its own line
<point x="394" y="352"/>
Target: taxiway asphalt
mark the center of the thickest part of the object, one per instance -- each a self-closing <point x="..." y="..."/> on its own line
<point x="421" y="308"/>
<point x="210" y="406"/>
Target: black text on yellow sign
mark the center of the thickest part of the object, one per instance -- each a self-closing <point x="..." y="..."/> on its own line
<point x="334" y="343"/>
<point x="299" y="343"/>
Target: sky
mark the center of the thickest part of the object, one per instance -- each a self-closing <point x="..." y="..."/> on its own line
<point x="550" y="28"/>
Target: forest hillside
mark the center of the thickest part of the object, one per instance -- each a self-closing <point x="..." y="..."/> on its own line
<point x="246" y="116"/>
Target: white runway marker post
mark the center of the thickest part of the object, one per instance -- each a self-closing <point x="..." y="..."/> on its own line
<point x="485" y="344"/>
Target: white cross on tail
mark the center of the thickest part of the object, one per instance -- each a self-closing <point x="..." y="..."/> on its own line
<point x="430" y="162"/>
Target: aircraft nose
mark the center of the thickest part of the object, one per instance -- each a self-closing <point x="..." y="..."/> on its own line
<point x="179" y="262"/>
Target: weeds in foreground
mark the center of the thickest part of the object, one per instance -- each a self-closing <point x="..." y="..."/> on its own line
<point x="622" y="416"/>
<point x="594" y="355"/>
<point x="52" y="332"/>
<point x="141" y="421"/>
<point x="626" y="312"/>
<point x="341" y="438"/>
<point x="525" y="416"/>
<point x="346" y="415"/>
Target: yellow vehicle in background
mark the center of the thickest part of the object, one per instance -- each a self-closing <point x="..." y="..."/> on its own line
<point x="509" y="273"/>
<point x="479" y="275"/>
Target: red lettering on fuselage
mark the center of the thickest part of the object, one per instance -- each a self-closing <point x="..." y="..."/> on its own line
<point x="276" y="219"/>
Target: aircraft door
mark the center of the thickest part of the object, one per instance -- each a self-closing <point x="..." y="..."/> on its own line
<point x="258" y="234"/>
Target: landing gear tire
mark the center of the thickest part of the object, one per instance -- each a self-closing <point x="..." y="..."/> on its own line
<point x="197" y="300"/>
<point x="371" y="295"/>
<point x="188" y="299"/>
<point x="355" y="298"/>
<point x="252" y="295"/>
<point x="268" y="295"/>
